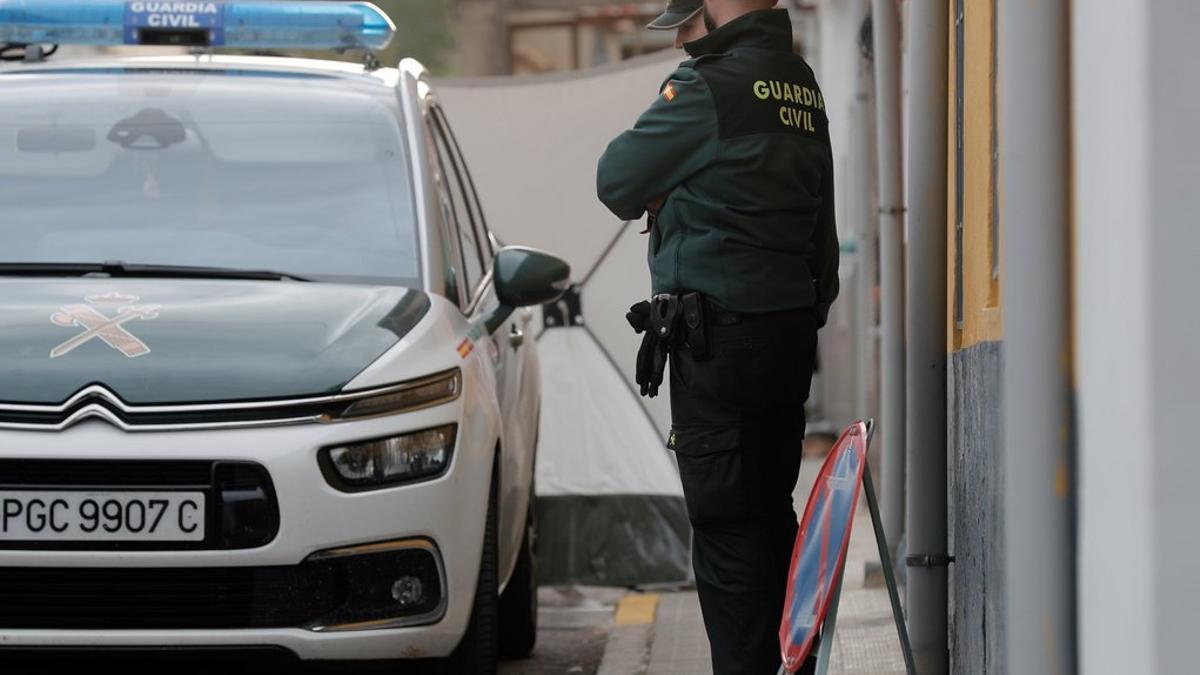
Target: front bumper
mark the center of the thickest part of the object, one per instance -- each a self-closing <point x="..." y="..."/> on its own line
<point x="387" y="585"/>
<point x="314" y="517"/>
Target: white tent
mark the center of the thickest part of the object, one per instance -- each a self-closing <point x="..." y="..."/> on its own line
<point x="609" y="499"/>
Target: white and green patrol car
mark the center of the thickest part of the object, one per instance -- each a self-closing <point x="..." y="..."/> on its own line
<point x="265" y="384"/>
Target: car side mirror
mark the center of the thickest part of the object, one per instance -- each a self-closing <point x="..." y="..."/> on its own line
<point x="524" y="277"/>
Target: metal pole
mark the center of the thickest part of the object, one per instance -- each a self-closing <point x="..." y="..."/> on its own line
<point x="829" y="628"/>
<point x="926" y="335"/>
<point x="863" y="201"/>
<point x="885" y="23"/>
<point x="889" y="577"/>
<point x="866" y="330"/>
<point x="1038" y="501"/>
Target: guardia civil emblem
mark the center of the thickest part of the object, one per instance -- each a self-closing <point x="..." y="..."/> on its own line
<point x="93" y="316"/>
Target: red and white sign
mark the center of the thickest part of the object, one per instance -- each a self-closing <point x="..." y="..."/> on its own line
<point x="820" y="551"/>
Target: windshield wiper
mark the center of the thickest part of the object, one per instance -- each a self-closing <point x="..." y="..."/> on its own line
<point x="117" y="268"/>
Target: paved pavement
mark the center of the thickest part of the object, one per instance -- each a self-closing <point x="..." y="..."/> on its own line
<point x="680" y="646"/>
<point x="674" y="643"/>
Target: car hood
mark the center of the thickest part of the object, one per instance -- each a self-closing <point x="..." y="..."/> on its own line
<point x="193" y="341"/>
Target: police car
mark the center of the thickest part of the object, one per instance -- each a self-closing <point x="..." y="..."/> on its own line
<point x="266" y="382"/>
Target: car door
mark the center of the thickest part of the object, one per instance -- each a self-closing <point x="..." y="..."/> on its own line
<point x="510" y="350"/>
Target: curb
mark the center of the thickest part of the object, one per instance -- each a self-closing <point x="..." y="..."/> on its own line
<point x="627" y="651"/>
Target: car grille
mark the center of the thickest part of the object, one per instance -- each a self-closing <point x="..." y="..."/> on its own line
<point x="108" y="473"/>
<point x="195" y="598"/>
<point x="330" y="591"/>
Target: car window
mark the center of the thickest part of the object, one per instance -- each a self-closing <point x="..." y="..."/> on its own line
<point x="450" y="252"/>
<point x="472" y="248"/>
<point x="482" y="233"/>
<point x="301" y="175"/>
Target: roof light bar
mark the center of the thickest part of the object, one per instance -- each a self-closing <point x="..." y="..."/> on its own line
<point x="261" y="24"/>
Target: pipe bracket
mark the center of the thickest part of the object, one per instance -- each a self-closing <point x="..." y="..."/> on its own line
<point x="929" y="560"/>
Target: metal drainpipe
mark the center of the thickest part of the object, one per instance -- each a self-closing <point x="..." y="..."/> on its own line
<point x="1039" y="542"/>
<point x="929" y="23"/>
<point x="885" y="23"/>
<point x="866" y="243"/>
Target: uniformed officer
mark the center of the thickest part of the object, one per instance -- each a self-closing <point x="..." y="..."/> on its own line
<point x="683" y="17"/>
<point x="734" y="157"/>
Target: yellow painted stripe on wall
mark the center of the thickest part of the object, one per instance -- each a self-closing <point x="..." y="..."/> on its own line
<point x="982" y="313"/>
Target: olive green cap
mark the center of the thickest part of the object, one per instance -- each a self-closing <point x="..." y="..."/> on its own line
<point x="678" y="12"/>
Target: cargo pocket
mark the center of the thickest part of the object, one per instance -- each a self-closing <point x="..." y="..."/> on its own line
<point x="710" y="468"/>
<point x="699" y="441"/>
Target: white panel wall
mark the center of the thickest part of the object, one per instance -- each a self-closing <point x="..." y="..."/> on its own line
<point x="1174" y="251"/>
<point x="1136" y="102"/>
<point x="533" y="143"/>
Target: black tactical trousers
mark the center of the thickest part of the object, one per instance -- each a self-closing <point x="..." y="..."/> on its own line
<point x="738" y="432"/>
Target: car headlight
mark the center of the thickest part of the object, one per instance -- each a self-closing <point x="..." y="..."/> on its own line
<point x="383" y="462"/>
<point x="425" y="393"/>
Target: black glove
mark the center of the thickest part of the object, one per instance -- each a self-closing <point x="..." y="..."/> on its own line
<point x="638" y="316"/>
<point x="650" y="360"/>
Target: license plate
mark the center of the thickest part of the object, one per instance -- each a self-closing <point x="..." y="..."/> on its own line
<point x="101" y="516"/>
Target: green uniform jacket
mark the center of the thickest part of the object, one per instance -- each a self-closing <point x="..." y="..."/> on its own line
<point x="739" y="140"/>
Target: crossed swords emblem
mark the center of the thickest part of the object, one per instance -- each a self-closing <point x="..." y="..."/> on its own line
<point x="98" y="325"/>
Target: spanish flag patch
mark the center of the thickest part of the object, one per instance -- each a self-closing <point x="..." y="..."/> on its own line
<point x="465" y="348"/>
<point x="668" y="92"/>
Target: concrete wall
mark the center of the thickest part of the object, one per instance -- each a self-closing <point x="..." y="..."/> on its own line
<point x="1136" y="177"/>
<point x="976" y="511"/>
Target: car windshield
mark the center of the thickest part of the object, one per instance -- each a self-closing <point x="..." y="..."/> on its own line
<point x="305" y="175"/>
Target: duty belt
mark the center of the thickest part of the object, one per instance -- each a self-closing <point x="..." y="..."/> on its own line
<point x="667" y="322"/>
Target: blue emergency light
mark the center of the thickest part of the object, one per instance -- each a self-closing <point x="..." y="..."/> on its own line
<point x="260" y="24"/>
